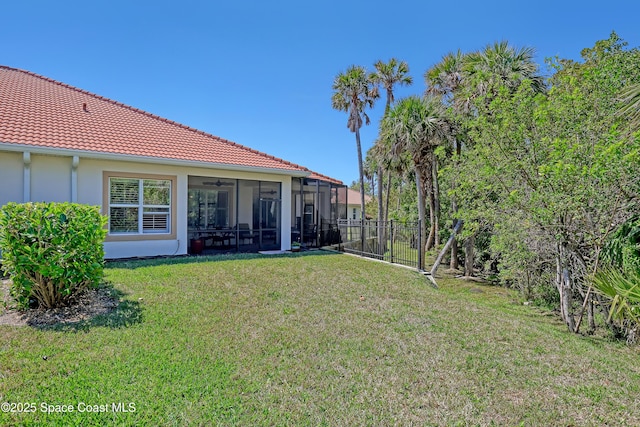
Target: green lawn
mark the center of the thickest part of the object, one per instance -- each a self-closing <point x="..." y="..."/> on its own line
<point x="314" y="339"/>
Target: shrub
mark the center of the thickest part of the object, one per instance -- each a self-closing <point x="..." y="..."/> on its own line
<point x="622" y="249"/>
<point x="623" y="290"/>
<point x="52" y="251"/>
<point x="619" y="278"/>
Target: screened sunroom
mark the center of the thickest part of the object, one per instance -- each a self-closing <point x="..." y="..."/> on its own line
<point x="233" y="214"/>
<point x="242" y="215"/>
<point x="316" y="206"/>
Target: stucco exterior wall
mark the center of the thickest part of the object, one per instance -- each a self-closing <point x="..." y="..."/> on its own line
<point x="354" y="212"/>
<point x="50" y="178"/>
<point x="11" y="177"/>
<point x="61" y="178"/>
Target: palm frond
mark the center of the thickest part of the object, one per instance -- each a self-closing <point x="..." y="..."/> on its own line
<point x="353" y="92"/>
<point x="389" y="74"/>
<point x="623" y="289"/>
<point x="501" y="65"/>
<point x="630" y="99"/>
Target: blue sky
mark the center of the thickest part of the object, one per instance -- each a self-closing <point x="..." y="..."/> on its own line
<point x="260" y="72"/>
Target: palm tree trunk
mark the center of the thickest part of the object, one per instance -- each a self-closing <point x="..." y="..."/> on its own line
<point x="361" y="170"/>
<point x="432" y="207"/>
<point x="399" y="193"/>
<point x="436" y="201"/>
<point x="469" y="245"/>
<point x="453" y="264"/>
<point x="381" y="238"/>
<point x="431" y="239"/>
<point x="421" y="209"/>
<point x="387" y="197"/>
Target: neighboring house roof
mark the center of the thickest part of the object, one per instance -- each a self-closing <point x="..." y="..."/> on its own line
<point x="36" y="111"/>
<point x="353" y="197"/>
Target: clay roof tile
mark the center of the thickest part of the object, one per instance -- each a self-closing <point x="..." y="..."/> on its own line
<point x="38" y="111"/>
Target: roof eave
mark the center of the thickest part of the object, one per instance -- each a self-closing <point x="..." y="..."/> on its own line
<point x="9" y="146"/>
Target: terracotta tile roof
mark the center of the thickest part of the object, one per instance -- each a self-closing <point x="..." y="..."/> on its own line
<point x="321" y="177"/>
<point x="353" y="197"/>
<point x="40" y="112"/>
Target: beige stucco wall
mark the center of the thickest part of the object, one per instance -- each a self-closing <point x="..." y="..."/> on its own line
<point x="11" y="177"/>
<point x="51" y="180"/>
<point x="245" y="205"/>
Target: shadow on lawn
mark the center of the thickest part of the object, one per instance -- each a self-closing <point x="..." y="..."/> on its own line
<point x="132" y="263"/>
<point x="106" y="309"/>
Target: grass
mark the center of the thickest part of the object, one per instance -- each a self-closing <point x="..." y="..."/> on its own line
<point x="314" y="340"/>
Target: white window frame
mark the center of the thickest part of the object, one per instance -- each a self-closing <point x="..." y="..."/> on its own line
<point x="145" y="211"/>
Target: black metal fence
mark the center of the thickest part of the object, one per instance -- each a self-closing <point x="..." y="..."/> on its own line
<point x="391" y="241"/>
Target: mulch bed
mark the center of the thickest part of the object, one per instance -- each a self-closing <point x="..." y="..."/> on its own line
<point x="88" y="304"/>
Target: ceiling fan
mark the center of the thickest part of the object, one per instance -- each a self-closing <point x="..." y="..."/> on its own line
<point x="217" y="183"/>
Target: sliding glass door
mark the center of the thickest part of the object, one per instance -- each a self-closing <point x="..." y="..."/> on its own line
<point x="236" y="214"/>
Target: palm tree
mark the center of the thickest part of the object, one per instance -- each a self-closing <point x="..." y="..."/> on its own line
<point x="500" y="65"/>
<point x="393" y="165"/>
<point x="353" y="92"/>
<point x="416" y="124"/>
<point x="390" y="74"/>
<point x="387" y="75"/>
<point x="484" y="72"/>
<point x="445" y="79"/>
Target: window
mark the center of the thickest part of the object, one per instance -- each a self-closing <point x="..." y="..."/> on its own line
<point x="139" y="206"/>
<point x="354" y="213"/>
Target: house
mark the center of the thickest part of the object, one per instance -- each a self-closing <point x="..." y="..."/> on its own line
<point x="352" y="202"/>
<point x="167" y="189"/>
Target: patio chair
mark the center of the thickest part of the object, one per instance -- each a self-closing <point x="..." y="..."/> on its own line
<point x="310" y="234"/>
<point x="245" y="233"/>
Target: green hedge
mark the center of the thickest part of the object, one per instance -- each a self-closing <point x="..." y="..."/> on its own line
<point x="52" y="251"/>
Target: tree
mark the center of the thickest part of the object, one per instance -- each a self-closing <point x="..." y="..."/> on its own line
<point x="553" y="174"/>
<point x="387" y="75"/>
<point x="353" y="93"/>
<point x="445" y="79"/>
<point x="416" y="124"/>
<point x="498" y="67"/>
